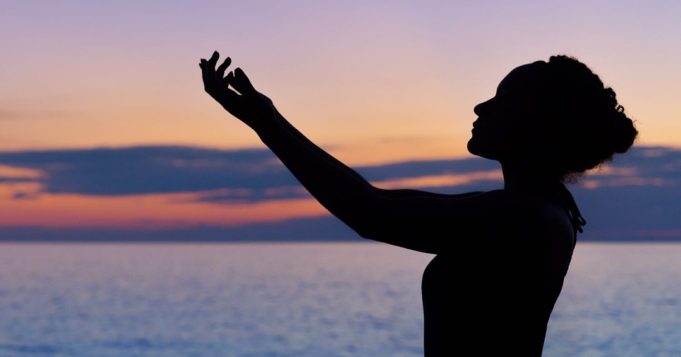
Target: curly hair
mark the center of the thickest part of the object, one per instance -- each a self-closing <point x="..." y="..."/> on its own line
<point x="588" y="126"/>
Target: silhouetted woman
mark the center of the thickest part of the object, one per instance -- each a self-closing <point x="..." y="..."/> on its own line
<point x="501" y="255"/>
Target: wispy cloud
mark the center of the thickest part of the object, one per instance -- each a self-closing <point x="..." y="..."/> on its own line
<point x="142" y="170"/>
<point x="219" y="175"/>
<point x="636" y="193"/>
<point x="256" y="174"/>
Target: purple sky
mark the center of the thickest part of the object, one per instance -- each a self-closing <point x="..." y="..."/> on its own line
<point x="372" y="81"/>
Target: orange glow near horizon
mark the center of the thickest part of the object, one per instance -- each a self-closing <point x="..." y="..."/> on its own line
<point x="18" y="172"/>
<point x="442" y="180"/>
<point x="145" y="211"/>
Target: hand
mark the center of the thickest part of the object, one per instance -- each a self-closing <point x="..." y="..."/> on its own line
<point x="248" y="105"/>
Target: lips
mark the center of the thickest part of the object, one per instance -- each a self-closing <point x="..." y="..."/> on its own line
<point x="478" y="125"/>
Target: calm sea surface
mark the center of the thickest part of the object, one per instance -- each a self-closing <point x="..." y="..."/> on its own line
<point x="302" y="299"/>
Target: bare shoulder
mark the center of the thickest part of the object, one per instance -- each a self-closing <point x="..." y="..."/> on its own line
<point x="553" y="215"/>
<point x="551" y="224"/>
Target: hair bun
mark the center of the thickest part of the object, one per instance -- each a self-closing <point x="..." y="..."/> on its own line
<point x="624" y="134"/>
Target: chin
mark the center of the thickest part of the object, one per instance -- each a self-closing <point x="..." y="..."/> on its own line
<point x="471" y="147"/>
<point x="475" y="148"/>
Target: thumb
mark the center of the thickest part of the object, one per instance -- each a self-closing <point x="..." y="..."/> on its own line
<point x="242" y="83"/>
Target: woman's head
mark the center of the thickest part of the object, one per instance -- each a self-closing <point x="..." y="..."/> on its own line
<point x="554" y="118"/>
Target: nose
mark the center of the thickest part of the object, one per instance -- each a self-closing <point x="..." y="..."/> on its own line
<point x="481" y="108"/>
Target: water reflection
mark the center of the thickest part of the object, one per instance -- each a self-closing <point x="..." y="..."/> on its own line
<point x="302" y="299"/>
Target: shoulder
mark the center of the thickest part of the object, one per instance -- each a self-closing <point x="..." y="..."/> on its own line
<point x="501" y="213"/>
<point x="528" y="210"/>
<point x="542" y="219"/>
<point x="509" y="202"/>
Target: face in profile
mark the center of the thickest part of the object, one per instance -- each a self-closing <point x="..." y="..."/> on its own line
<point x="504" y="121"/>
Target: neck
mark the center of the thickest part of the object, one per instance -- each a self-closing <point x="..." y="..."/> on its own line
<point x="517" y="178"/>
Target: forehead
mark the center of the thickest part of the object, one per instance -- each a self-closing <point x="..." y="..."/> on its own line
<point x="527" y="76"/>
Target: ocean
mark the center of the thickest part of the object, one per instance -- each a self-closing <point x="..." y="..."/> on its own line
<point x="302" y="299"/>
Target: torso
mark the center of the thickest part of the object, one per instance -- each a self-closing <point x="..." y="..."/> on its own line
<point x="497" y="300"/>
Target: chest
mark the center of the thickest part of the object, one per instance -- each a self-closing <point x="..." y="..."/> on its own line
<point x="496" y="273"/>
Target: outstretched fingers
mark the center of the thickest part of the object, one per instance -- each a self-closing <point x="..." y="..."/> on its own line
<point x="211" y="75"/>
<point x="207" y="75"/>
<point x="221" y="69"/>
<point x="229" y="78"/>
<point x="217" y="84"/>
<point x="213" y="60"/>
<point x="241" y="83"/>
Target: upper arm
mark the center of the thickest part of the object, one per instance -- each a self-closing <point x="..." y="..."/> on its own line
<point x="434" y="223"/>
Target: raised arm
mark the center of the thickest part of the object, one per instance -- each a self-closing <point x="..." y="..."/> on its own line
<point x="337" y="187"/>
<point x="412" y="219"/>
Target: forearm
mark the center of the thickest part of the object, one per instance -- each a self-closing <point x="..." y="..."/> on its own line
<point x="337" y="187"/>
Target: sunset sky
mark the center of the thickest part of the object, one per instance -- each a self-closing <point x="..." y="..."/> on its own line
<point x="374" y="82"/>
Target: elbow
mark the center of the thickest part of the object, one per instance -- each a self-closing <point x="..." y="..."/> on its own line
<point x="370" y="227"/>
<point x="363" y="216"/>
<point x="362" y="224"/>
<point x="367" y="234"/>
<point x="361" y="228"/>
